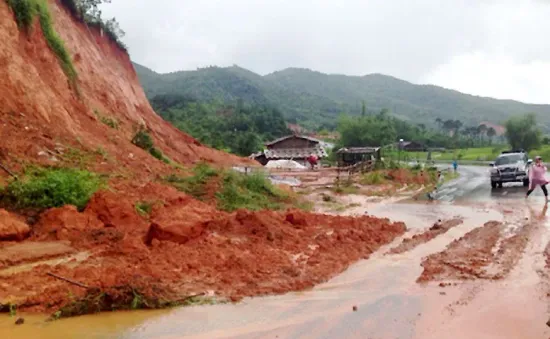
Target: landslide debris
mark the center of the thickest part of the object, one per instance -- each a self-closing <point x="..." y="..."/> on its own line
<point x="487" y="252"/>
<point x="437" y="229"/>
<point x="188" y="247"/>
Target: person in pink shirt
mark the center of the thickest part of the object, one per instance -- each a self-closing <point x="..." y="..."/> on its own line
<point x="537" y="178"/>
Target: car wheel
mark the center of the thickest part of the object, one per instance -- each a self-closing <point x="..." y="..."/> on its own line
<point x="526" y="183"/>
<point x="493" y="184"/>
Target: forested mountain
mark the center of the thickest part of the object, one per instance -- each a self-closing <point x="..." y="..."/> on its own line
<point x="314" y="99"/>
<point x="241" y="129"/>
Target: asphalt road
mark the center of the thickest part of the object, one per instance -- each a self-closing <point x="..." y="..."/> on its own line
<point x="474" y="185"/>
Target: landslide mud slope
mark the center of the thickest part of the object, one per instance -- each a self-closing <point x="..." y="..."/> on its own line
<point x="108" y="256"/>
<point x="40" y="112"/>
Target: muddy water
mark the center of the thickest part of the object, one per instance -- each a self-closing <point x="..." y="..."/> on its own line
<point x="389" y="302"/>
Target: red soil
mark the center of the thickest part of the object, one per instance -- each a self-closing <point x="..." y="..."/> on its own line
<point x="188" y="247"/>
<point x="418" y="239"/>
<point x="484" y="253"/>
<point x="40" y="113"/>
<point x="183" y="246"/>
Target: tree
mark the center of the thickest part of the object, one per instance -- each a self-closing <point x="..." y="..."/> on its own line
<point x="522" y="132"/>
<point x="491" y="132"/>
<point x="363" y="108"/>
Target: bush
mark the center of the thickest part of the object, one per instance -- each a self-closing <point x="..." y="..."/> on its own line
<point x="253" y="192"/>
<point x="52" y="187"/>
<point x="373" y="178"/>
<point x="237" y="190"/>
<point x="143" y="140"/>
<point x="24" y="11"/>
<point x="195" y="184"/>
<point x="111" y="122"/>
<point x="144" y="208"/>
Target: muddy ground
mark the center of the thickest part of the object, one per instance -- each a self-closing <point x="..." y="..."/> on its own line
<point x="473" y="268"/>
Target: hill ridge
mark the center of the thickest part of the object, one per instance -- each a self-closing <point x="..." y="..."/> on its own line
<point x="316" y="99"/>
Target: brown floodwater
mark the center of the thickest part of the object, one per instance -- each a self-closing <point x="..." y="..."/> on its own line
<point x="389" y="303"/>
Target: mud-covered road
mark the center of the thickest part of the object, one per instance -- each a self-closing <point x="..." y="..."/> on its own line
<point x="480" y="272"/>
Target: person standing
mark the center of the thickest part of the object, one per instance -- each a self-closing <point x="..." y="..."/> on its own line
<point x="537" y="178"/>
<point x="455" y="165"/>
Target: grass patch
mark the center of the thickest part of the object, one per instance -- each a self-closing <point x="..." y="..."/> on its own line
<point x="44" y="188"/>
<point x="347" y="188"/>
<point x="253" y="192"/>
<point x="194" y="185"/>
<point x="79" y="158"/>
<point x="143" y="140"/>
<point x="234" y="190"/>
<point x="144" y="208"/>
<point x="107" y="120"/>
<point x="373" y="178"/>
<point x="25" y="12"/>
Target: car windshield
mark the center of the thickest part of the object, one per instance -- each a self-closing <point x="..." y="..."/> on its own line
<point x="508" y="159"/>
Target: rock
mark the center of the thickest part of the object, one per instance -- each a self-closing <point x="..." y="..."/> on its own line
<point x="354" y="308"/>
<point x="114" y="211"/>
<point x="65" y="223"/>
<point x="442" y="293"/>
<point x="20" y="321"/>
<point x="548" y="323"/>
<point x="297" y="218"/>
<point x="182" y="221"/>
<point x="12" y="228"/>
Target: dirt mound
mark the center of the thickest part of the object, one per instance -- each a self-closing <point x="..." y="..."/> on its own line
<point x="12" y="228"/>
<point x="65" y="223"/>
<point x="437" y="229"/>
<point x="193" y="248"/>
<point x="486" y="252"/>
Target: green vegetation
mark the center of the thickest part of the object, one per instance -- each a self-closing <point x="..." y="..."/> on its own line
<point x="144" y="208"/>
<point x="522" y="132"/>
<point x="107" y="120"/>
<point x="123" y="298"/>
<point x="236" y="190"/>
<point x="252" y="192"/>
<point x="88" y="12"/>
<point x="143" y="140"/>
<point x="44" y="188"/>
<point x="315" y="99"/>
<point x="240" y="129"/>
<point x="25" y="12"/>
<point x="195" y="184"/>
<point x="373" y="178"/>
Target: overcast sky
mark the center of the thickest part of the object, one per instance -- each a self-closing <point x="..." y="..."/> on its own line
<point x="498" y="48"/>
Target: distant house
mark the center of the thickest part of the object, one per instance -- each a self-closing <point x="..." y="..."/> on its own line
<point x="292" y="147"/>
<point x="412" y="146"/>
<point x="353" y="155"/>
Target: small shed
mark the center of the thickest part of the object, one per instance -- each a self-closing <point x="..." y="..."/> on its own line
<point x="412" y="146"/>
<point x="354" y="155"/>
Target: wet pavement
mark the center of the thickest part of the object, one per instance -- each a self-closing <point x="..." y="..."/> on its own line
<point x="388" y="301"/>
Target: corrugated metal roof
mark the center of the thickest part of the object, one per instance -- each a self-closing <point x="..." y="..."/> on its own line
<point x="292" y="153"/>
<point x="295" y="153"/>
<point x="293" y="136"/>
<point x="359" y="150"/>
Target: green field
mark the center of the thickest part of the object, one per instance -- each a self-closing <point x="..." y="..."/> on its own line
<point x="466" y="154"/>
